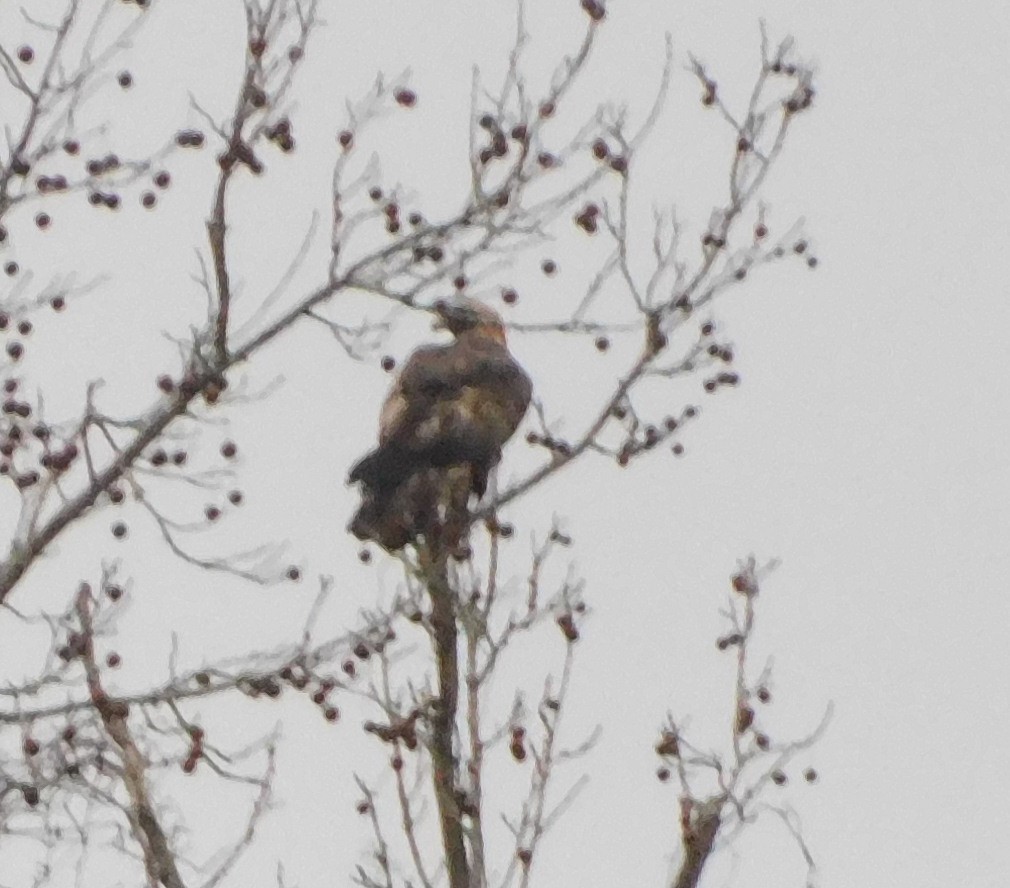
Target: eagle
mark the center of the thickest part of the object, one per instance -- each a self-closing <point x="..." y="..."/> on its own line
<point x="441" y="430"/>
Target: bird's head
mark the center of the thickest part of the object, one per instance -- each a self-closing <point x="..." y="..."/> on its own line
<point x="468" y="316"/>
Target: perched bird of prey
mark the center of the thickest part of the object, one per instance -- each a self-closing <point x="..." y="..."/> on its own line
<point x="441" y="429"/>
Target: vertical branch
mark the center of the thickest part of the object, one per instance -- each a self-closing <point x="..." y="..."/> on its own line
<point x="158" y="858"/>
<point x="217" y="226"/>
<point x="216" y="230"/>
<point x="476" y="762"/>
<point x="475" y="631"/>
<point x="536" y="820"/>
<point x="445" y="637"/>
<point x="699" y="828"/>
<point x="745" y="582"/>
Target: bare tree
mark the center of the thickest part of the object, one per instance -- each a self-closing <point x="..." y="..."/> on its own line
<point x="90" y="762"/>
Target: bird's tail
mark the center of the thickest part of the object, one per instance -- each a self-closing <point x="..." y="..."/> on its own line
<point x="383" y="469"/>
<point x="378" y="521"/>
<point x="388" y="466"/>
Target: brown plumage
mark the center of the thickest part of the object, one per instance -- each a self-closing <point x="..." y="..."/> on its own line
<point x="441" y="429"/>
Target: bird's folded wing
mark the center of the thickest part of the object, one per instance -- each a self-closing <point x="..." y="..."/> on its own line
<point x="437" y="374"/>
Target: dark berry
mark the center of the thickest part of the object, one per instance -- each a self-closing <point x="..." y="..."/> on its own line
<point x="189" y="138"/>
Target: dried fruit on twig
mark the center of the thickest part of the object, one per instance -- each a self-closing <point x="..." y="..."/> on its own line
<point x="566" y="622"/>
<point x="405" y="97"/>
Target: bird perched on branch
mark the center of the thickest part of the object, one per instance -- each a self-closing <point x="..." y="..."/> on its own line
<point x="441" y="430"/>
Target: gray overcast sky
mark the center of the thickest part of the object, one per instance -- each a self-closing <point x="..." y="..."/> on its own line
<point x="865" y="448"/>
